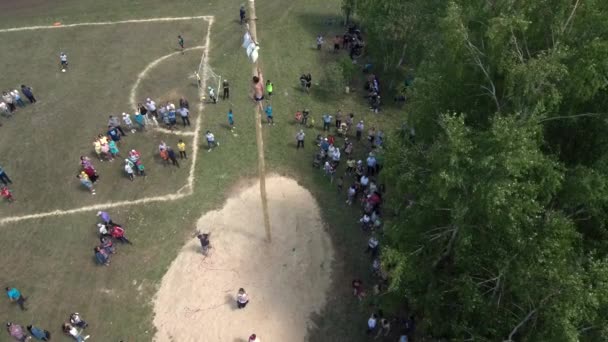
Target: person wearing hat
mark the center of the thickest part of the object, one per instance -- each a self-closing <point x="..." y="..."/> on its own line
<point x="300" y="139"/>
<point x="105" y="217"/>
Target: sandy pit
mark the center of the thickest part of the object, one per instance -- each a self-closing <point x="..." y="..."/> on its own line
<point x="286" y="280"/>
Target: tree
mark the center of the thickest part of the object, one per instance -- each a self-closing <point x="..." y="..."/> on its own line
<point x="507" y="236"/>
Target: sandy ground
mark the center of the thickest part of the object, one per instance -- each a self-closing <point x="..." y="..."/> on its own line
<point x="286" y="280"/>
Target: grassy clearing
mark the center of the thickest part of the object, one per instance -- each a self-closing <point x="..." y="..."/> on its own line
<point x="51" y="259"/>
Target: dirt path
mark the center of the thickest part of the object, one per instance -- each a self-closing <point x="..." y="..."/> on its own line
<point x="286" y="280"/>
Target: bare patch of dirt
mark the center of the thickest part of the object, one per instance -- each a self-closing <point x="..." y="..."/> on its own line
<point x="286" y="280"/>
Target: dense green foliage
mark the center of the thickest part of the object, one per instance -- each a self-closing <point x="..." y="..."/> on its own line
<point x="506" y="237"/>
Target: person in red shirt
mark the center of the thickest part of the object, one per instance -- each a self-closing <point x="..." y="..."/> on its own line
<point x="6" y="193"/>
<point x="118" y="233"/>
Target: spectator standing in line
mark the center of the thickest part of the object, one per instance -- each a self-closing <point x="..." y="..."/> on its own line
<point x="371" y="164"/>
<point x="151" y="108"/>
<point x="15" y="296"/>
<point x="129" y="170"/>
<point x="126" y="118"/>
<point x="184" y="113"/>
<point x="300" y="139"/>
<point x="226" y="88"/>
<point x="338" y="118"/>
<point x="140" y="120"/>
<point x="183" y="103"/>
<point x="181" y="146"/>
<point x="27" y="92"/>
<point x="4" y="177"/>
<point x="360" y="128"/>
<point x="326" y="121"/>
<point x="113" y="122"/>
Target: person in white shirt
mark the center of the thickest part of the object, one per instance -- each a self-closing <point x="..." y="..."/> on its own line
<point x="372" y="246"/>
<point x="126" y="118"/>
<point x="63" y="59"/>
<point x="211" y="140"/>
<point x="151" y="107"/>
<point x="242" y="299"/>
<point x="371" y="323"/>
<point x="129" y="169"/>
<point x="364" y="181"/>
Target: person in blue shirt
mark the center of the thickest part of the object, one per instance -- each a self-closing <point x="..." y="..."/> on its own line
<point x="230" y="119"/>
<point x="326" y="122"/>
<point x="4" y="177"/>
<point x="113" y="133"/>
<point x="15" y="296"/>
<point x="269" y="118"/>
<point x="39" y="333"/>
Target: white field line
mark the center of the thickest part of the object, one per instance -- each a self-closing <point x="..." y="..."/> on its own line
<point x="144" y="73"/>
<point x="105" y="23"/>
<point x="170" y="197"/>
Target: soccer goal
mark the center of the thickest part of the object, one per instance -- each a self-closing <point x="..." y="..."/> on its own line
<point x="208" y="82"/>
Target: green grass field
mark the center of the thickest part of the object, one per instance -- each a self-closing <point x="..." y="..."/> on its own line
<point x="51" y="259"/>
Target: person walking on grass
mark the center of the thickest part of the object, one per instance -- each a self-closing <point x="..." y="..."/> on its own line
<point x="180" y="42"/>
<point x="211" y="143"/>
<point x="4" y="177"/>
<point x="230" y="119"/>
<point x="181" y="147"/>
<point x="371" y="323"/>
<point x="184" y="113"/>
<point x="27" y="92"/>
<point x="39" y="333"/>
<point x="172" y="157"/>
<point x="242" y="299"/>
<point x="15" y="296"/>
<point x="226" y="88"/>
<point x="269" y="118"/>
<point x="319" y="41"/>
<point x="371" y="164"/>
<point x="300" y="139"/>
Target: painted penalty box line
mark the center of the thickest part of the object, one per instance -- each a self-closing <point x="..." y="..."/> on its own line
<point x="169" y="197"/>
<point x="106" y="23"/>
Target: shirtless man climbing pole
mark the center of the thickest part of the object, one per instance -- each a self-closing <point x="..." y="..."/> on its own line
<point x="258" y="89"/>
